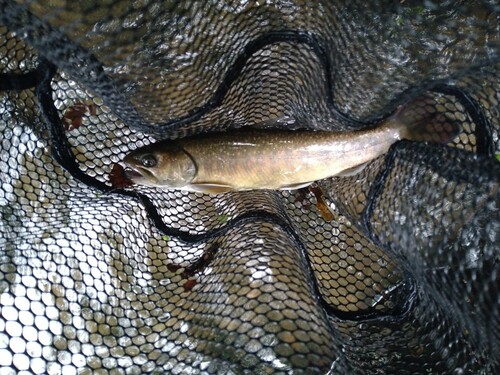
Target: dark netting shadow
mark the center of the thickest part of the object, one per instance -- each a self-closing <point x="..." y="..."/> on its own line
<point x="391" y="271"/>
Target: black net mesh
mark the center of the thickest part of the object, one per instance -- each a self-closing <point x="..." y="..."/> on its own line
<point x="391" y="271"/>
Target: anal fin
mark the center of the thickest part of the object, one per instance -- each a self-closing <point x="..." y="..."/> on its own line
<point x="349" y="172"/>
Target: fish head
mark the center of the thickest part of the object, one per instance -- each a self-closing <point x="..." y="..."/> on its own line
<point x="160" y="165"/>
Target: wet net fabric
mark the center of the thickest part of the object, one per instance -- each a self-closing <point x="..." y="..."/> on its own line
<point x="391" y="271"/>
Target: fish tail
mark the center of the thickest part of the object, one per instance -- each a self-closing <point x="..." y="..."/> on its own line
<point x="416" y="123"/>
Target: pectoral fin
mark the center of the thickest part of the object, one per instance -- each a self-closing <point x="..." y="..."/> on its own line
<point x="296" y="186"/>
<point x="211" y="188"/>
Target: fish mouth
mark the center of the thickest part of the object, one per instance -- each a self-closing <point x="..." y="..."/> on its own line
<point x="132" y="174"/>
<point x="137" y="175"/>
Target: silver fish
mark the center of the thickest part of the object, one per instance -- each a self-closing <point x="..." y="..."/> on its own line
<point x="265" y="159"/>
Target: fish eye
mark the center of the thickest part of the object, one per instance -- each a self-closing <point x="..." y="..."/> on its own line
<point x="149" y="161"/>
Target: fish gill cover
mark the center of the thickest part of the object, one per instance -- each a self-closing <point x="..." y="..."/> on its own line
<point x="391" y="271"/>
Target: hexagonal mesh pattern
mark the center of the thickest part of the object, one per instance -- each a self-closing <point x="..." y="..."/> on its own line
<point x="391" y="271"/>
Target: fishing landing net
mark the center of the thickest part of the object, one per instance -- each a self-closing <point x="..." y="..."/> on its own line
<point x="392" y="271"/>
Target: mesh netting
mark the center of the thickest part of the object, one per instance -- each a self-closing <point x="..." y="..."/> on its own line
<point x="391" y="271"/>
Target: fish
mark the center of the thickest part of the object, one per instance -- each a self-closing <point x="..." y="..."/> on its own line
<point x="274" y="159"/>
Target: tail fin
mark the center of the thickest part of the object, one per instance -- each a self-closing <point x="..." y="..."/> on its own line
<point x="420" y="122"/>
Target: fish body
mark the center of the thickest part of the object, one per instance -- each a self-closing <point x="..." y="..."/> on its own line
<point x="259" y="159"/>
